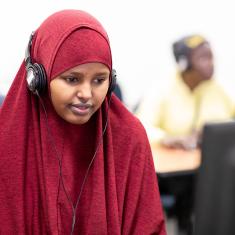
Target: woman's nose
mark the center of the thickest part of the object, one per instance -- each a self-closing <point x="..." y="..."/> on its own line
<point x="84" y="91"/>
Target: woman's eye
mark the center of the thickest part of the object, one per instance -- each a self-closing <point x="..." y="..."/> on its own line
<point x="71" y="79"/>
<point x="99" y="80"/>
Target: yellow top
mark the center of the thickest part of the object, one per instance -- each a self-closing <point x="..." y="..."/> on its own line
<point x="179" y="111"/>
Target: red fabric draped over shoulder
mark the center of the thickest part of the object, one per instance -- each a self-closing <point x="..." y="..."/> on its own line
<point x="120" y="194"/>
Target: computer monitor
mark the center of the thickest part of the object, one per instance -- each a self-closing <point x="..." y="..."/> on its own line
<point x="215" y="184"/>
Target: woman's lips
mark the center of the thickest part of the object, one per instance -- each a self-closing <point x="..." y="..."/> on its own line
<point x="80" y="109"/>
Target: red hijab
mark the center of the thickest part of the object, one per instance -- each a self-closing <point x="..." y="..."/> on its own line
<point x="44" y="159"/>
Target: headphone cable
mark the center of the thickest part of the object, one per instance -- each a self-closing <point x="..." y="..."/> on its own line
<point x="74" y="208"/>
<point x="89" y="167"/>
<point x="57" y="153"/>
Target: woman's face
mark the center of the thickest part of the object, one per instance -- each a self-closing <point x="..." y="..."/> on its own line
<point x="202" y="61"/>
<point x="79" y="92"/>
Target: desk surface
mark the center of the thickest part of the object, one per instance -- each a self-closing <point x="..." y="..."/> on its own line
<point x="175" y="160"/>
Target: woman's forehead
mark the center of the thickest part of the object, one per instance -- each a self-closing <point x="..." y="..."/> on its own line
<point x="92" y="67"/>
<point x="204" y="48"/>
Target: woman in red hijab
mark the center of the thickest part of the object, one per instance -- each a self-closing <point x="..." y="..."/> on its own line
<point x="74" y="160"/>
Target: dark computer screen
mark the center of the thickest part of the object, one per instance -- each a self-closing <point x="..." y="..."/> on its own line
<point x="215" y="185"/>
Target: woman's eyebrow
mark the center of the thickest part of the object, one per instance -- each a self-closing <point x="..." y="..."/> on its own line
<point x="101" y="73"/>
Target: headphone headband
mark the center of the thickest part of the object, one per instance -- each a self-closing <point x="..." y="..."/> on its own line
<point x="28" y="49"/>
<point x="36" y="75"/>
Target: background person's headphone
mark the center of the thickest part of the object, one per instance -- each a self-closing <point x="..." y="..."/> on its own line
<point x="36" y="75"/>
<point x="181" y="53"/>
<point x="182" y="49"/>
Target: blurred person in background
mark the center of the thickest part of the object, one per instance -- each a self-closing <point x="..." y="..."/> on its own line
<point x="176" y="117"/>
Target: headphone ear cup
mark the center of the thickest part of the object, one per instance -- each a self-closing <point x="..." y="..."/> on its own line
<point x="42" y="81"/>
<point x="113" y="82"/>
<point x="183" y="63"/>
<point x="36" y="78"/>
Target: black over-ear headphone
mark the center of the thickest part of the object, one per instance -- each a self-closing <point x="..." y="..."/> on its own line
<point x="113" y="82"/>
<point x="36" y="75"/>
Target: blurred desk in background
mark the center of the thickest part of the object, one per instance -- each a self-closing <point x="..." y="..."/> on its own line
<point x="175" y="160"/>
<point x="176" y="170"/>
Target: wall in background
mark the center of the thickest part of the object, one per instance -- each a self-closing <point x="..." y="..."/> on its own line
<point x="141" y="33"/>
